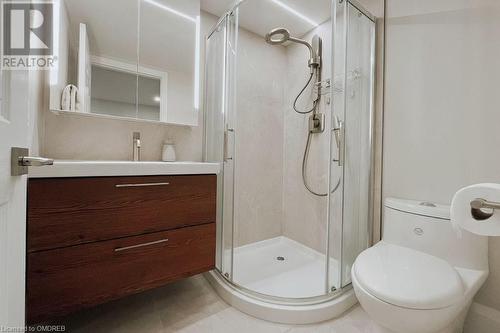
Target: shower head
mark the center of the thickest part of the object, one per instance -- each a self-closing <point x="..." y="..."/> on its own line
<point x="278" y="36"/>
<point x="281" y="35"/>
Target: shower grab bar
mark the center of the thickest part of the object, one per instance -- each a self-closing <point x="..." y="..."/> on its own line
<point x="477" y="204"/>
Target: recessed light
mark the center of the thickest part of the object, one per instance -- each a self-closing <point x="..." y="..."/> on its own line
<point x="171" y="10"/>
<point x="157" y="99"/>
<point x="296" y="13"/>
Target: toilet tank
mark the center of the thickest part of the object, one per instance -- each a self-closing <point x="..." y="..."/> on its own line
<point x="426" y="227"/>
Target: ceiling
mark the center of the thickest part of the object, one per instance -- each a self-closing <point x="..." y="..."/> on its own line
<point x="260" y="16"/>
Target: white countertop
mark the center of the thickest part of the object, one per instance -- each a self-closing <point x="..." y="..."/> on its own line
<point x="67" y="168"/>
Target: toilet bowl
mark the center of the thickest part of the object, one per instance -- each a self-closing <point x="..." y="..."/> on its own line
<point x="422" y="276"/>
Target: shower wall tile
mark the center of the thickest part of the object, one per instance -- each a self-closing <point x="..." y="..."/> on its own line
<point x="259" y="139"/>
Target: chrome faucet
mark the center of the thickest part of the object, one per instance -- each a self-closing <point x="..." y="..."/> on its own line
<point x="136" y="153"/>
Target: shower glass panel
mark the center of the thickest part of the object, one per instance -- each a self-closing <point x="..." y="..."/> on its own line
<point x="218" y="137"/>
<point x="272" y="121"/>
<point x="353" y="87"/>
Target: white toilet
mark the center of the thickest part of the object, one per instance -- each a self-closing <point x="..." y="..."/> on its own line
<point x="422" y="276"/>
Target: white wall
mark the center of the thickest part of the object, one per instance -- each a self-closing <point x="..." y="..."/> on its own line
<point x="442" y="104"/>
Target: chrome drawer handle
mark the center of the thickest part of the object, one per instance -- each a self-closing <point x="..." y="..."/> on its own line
<point x="119" y="249"/>
<point x="141" y="185"/>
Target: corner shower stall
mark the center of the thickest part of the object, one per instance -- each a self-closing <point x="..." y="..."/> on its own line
<point x="289" y="103"/>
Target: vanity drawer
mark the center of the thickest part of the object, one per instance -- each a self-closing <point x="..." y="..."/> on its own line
<point x="64" y="280"/>
<point x="69" y="211"/>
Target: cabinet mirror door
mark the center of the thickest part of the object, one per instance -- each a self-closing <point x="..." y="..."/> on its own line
<point x="134" y="59"/>
<point x="168" y="60"/>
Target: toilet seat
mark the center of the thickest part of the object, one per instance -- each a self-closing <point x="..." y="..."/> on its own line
<point x="408" y="278"/>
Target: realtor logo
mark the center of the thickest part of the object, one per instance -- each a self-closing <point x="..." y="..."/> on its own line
<point x="27" y="39"/>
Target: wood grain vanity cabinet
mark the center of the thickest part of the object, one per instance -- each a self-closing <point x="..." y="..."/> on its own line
<point x="91" y="240"/>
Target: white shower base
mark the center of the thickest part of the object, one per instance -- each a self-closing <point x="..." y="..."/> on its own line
<point x="300" y="275"/>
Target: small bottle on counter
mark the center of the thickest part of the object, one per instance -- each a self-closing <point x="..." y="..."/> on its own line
<point x="168" y="152"/>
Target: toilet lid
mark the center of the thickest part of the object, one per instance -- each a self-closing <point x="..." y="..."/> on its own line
<point x="408" y="278"/>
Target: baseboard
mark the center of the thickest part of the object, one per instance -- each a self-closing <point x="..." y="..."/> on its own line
<point x="482" y="319"/>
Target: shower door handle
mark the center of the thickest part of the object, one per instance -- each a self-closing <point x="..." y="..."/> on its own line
<point x="338" y="132"/>
<point x="226" y="144"/>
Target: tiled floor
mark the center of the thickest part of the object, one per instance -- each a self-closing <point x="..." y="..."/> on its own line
<point x="191" y="305"/>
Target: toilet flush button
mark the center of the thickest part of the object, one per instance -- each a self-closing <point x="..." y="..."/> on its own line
<point x="418" y="231"/>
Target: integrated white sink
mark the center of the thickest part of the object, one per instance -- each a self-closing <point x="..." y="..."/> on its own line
<point x="74" y="168"/>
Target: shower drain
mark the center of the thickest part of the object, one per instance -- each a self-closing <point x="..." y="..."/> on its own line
<point x="280" y="258"/>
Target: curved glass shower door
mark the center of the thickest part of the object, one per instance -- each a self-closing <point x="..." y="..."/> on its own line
<point x="219" y="132"/>
<point x="273" y="122"/>
<point x="353" y="103"/>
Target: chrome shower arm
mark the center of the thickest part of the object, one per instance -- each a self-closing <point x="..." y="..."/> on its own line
<point x="314" y="59"/>
<point x="304" y="42"/>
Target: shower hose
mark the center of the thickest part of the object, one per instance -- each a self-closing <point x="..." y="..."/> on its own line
<point x="308" y="144"/>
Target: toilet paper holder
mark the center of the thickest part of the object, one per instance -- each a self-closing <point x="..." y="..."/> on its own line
<point x="478" y="204"/>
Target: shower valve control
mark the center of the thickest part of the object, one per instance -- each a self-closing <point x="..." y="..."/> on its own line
<point x="317" y="123"/>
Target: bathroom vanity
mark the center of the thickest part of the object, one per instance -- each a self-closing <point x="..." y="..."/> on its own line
<point x="98" y="231"/>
